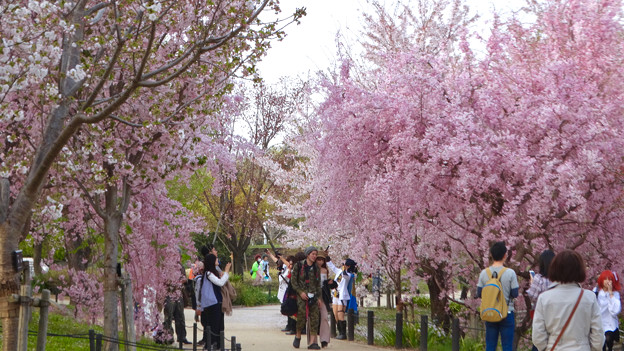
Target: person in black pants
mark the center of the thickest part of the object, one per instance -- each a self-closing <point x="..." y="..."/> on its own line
<point x="209" y="299"/>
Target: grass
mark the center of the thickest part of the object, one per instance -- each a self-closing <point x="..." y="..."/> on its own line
<point x="65" y="333"/>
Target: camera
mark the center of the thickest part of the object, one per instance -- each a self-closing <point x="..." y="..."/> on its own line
<point x="312" y="301"/>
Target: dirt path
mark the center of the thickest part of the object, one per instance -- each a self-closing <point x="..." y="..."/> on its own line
<point x="258" y="328"/>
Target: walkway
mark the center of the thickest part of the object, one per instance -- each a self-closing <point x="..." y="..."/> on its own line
<point x="258" y="328"/>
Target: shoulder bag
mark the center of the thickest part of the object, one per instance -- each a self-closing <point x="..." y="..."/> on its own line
<point x="568" y="321"/>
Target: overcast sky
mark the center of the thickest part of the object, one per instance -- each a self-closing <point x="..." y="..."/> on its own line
<point x="311" y="45"/>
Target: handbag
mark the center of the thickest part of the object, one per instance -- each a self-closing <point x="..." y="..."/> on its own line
<point x="289" y="306"/>
<point x="568" y="321"/>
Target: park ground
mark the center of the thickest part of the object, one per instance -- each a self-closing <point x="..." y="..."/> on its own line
<point x="258" y="328"/>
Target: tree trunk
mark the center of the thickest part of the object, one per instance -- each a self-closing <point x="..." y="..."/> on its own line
<point x="397" y="288"/>
<point x="9" y="284"/>
<point x="77" y="253"/>
<point x="238" y="262"/>
<point x="438" y="298"/>
<point x="111" y="293"/>
<point x="37" y="253"/>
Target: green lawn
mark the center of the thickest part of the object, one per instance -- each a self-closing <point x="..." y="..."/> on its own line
<point x="65" y="333"/>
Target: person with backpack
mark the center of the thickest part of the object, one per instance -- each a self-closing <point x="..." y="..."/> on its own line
<point x="306" y="281"/>
<point x="210" y="299"/>
<point x="497" y="287"/>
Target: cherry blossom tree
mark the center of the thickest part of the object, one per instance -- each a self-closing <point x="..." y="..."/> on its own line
<point x="74" y="64"/>
<point x="437" y="153"/>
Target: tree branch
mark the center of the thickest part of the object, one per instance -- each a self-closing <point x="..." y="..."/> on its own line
<point x="94" y="204"/>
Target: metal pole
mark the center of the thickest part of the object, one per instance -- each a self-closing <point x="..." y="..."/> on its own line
<point x="332" y="324"/>
<point x="424" y="321"/>
<point x="91" y="340"/>
<point x="43" y="320"/>
<point x="350" y="325"/>
<point x="208" y="337"/>
<point x="195" y="336"/>
<point x="371" y="327"/>
<point x="233" y="343"/>
<point x="398" y="341"/>
<point x="222" y="337"/>
<point x="98" y="342"/>
<point x="455" y="335"/>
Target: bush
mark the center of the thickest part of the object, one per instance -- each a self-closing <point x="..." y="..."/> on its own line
<point x="436" y="338"/>
<point x="422" y="301"/>
<point x="251" y="295"/>
<point x="51" y="281"/>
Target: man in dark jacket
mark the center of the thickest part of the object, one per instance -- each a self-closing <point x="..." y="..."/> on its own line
<point x="306" y="280"/>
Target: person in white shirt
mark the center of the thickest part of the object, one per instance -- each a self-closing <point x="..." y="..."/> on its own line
<point x="610" y="307"/>
<point x="555" y="306"/>
<point x="209" y="299"/>
<point x="341" y="294"/>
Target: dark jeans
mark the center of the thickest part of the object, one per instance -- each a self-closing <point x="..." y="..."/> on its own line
<point x="506" y="330"/>
<point x="212" y="317"/>
<point x="174" y="311"/>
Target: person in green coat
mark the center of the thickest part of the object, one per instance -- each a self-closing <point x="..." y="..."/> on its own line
<point x="255" y="267"/>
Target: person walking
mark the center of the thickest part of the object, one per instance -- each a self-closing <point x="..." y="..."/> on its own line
<point x="610" y="307"/>
<point x="324" y="333"/>
<point x="509" y="282"/>
<point x="567" y="317"/>
<point x="210" y="298"/>
<point x="306" y="280"/>
<point x="540" y="281"/>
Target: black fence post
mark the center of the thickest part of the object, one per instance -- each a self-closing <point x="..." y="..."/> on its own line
<point x="332" y="324"/>
<point x="455" y="335"/>
<point x="398" y="340"/>
<point x="222" y="340"/>
<point x="424" y="321"/>
<point x="233" y="343"/>
<point x="195" y="336"/>
<point x="91" y="340"/>
<point x="350" y="325"/>
<point x="98" y="342"/>
<point x="371" y="327"/>
<point x="208" y="337"/>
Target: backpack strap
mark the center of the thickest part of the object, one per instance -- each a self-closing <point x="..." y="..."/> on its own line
<point x="568" y="321"/>
<point x="498" y="275"/>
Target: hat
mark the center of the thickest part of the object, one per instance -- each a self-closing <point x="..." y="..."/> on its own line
<point x="309" y="250"/>
<point x="321" y="254"/>
<point x="351" y="263"/>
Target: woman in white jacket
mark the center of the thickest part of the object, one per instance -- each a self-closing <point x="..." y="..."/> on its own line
<point x="554" y="307"/>
<point x="610" y="307"/>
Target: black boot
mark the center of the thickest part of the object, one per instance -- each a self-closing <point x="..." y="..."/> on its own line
<point x="291" y="326"/>
<point x="342" y="330"/>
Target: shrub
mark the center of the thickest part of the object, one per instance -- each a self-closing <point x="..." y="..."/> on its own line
<point x="422" y="301"/>
<point x="251" y="295"/>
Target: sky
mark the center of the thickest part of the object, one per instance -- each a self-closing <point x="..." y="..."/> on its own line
<point x="311" y="45"/>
